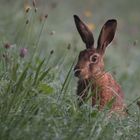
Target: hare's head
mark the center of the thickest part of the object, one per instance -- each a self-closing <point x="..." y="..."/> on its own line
<point x="90" y="62"/>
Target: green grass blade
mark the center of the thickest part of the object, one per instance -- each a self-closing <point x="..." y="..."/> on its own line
<point x="38" y="70"/>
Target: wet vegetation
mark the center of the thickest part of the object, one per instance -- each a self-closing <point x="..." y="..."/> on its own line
<point x="39" y="45"/>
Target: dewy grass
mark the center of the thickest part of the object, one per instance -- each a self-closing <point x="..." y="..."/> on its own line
<point x="37" y="71"/>
<point x="39" y="37"/>
<point x="31" y="112"/>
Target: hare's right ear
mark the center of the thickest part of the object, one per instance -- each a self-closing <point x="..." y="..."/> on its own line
<point x="106" y="35"/>
<point x="84" y="32"/>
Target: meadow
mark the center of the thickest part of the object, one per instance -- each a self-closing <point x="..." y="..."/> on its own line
<point x="39" y="45"/>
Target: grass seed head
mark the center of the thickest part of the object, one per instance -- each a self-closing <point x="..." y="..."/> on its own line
<point x="27" y="9"/>
<point x="138" y="103"/>
<point x="7" y="46"/>
<point x="27" y="21"/>
<point x="35" y="9"/>
<point x="51" y="52"/>
<point x="69" y="46"/>
<point x="52" y="32"/>
<point x="34" y="3"/>
<point x="46" y="16"/>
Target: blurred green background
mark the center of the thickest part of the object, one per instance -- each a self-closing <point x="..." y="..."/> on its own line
<point x="122" y="57"/>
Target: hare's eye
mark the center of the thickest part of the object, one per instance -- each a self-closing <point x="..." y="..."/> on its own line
<point x="94" y="58"/>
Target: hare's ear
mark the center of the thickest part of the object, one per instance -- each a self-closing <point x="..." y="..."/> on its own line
<point x="106" y="35"/>
<point x="84" y="32"/>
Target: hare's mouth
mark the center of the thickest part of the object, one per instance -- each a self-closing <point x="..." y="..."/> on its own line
<point x="80" y="74"/>
<point x="77" y="72"/>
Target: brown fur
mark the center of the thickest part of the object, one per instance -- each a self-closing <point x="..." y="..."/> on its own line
<point x="90" y="68"/>
<point x="105" y="89"/>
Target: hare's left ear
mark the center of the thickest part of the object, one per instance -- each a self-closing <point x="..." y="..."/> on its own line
<point x="84" y="32"/>
<point x="106" y="35"/>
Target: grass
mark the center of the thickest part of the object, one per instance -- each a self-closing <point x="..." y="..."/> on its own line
<point x="37" y="91"/>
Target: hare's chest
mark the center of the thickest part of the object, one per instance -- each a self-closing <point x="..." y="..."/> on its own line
<point x="105" y="90"/>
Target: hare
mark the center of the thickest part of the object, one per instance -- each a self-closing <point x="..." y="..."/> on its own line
<point x="90" y="68"/>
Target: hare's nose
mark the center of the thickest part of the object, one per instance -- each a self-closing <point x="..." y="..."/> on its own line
<point x="77" y="72"/>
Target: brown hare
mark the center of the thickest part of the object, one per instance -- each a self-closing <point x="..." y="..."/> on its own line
<point x="90" y="68"/>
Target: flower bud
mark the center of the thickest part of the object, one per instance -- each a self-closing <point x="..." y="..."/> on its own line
<point x="34" y="3"/>
<point x="46" y="16"/>
<point x="51" y="52"/>
<point x="7" y="46"/>
<point x="69" y="46"/>
<point x="52" y="32"/>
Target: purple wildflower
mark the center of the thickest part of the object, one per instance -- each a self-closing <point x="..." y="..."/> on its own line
<point x="23" y="52"/>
